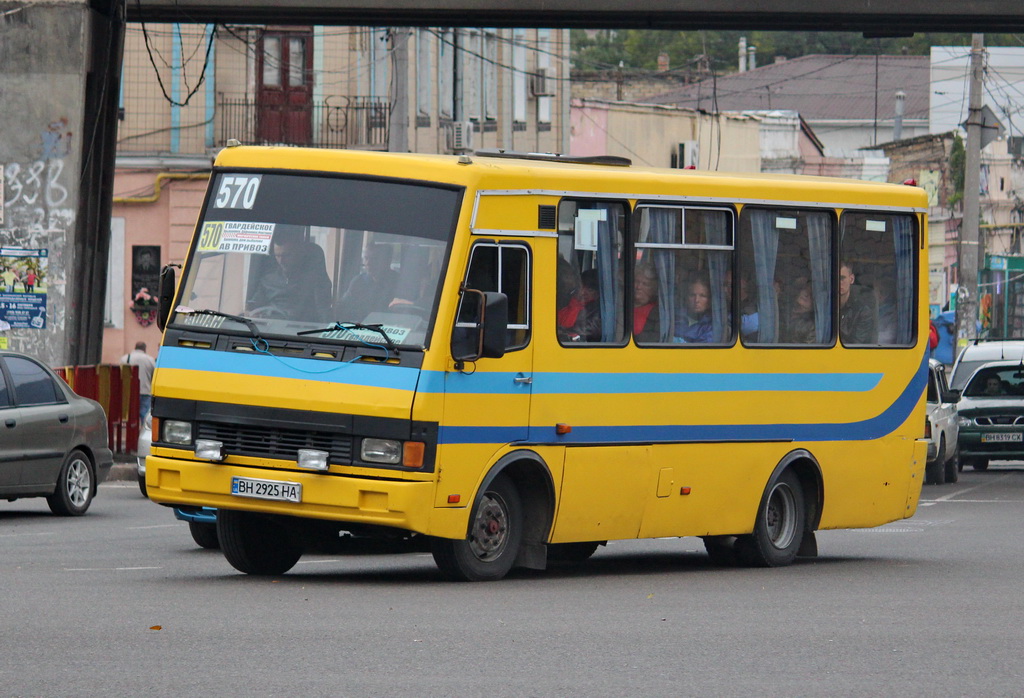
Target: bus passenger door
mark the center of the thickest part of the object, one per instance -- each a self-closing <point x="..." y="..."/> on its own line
<point x="488" y="401"/>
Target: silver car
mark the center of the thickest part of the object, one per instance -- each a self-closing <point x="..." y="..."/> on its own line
<point x="941" y="428"/>
<point x="54" y="442"/>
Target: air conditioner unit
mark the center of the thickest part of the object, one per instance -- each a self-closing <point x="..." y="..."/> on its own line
<point x="540" y="84"/>
<point x="460" y="136"/>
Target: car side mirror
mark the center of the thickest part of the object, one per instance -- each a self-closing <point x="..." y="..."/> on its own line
<point x="168" y="285"/>
<point x="951" y="396"/>
<point x="482" y="326"/>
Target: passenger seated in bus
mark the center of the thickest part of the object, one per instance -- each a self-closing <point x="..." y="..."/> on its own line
<point x="373" y="289"/>
<point x="294" y="284"/>
<point x="694" y="324"/>
<point x="801" y="327"/>
<point x="858" y="313"/>
<point x="571" y="314"/>
<point x="590" y="292"/>
<point x="646" y="320"/>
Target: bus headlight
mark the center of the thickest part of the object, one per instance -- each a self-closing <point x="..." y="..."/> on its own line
<point x="381" y="451"/>
<point x="175" y="432"/>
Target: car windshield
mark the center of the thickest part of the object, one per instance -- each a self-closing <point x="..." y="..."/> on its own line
<point x="315" y="257"/>
<point x="1006" y="382"/>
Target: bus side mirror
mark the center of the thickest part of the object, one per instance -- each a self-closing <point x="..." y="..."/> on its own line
<point x="481" y="329"/>
<point x="167" y="287"/>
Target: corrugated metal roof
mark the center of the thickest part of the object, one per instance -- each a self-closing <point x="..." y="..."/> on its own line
<point x="819" y="87"/>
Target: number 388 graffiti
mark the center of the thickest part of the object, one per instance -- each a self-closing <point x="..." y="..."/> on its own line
<point x="34" y="191"/>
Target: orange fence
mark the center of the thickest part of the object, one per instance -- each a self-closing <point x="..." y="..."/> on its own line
<point x="116" y="388"/>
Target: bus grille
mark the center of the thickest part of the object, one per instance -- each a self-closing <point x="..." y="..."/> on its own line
<point x="283" y="444"/>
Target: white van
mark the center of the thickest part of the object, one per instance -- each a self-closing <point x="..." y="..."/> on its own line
<point x="974" y="356"/>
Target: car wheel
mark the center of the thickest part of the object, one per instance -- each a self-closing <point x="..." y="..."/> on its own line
<point x="779" y="527"/>
<point x="571" y="552"/>
<point x="256" y="544"/>
<point x="934" y="471"/>
<point x="981" y="464"/>
<point x="76" y="486"/>
<point x="204" y="534"/>
<point x="142" y="486"/>
<point x="489" y="550"/>
<point x="952" y="468"/>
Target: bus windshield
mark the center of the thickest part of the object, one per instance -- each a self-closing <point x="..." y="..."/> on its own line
<point x="316" y="257"/>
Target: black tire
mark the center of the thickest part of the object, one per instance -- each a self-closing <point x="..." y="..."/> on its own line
<point x="76" y="486"/>
<point x="779" y="527"/>
<point x="721" y="550"/>
<point x="571" y="552"/>
<point x="952" y="469"/>
<point x="256" y="544"/>
<point x="489" y="550"/>
<point x="142" y="486"/>
<point x="980" y="464"/>
<point x="204" y="534"/>
<point x="935" y="471"/>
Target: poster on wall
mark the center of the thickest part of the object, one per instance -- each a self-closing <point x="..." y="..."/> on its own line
<point x="23" y="278"/>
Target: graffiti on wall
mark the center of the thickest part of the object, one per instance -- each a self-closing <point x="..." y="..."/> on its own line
<point x="37" y="219"/>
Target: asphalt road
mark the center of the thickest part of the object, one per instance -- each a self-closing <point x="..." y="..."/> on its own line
<point x="121" y="602"/>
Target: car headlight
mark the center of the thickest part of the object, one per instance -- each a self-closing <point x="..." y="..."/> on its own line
<point x="175" y="432"/>
<point x="964" y="421"/>
<point x="381" y="451"/>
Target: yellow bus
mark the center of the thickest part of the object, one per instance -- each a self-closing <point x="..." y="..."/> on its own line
<point x="514" y="358"/>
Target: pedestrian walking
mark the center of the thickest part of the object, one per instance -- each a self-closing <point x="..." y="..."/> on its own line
<point x="139" y="357"/>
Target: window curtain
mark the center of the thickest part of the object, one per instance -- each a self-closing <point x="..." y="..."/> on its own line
<point x="716" y="229"/>
<point x="819" y="232"/>
<point x="609" y="280"/>
<point x="903" y="242"/>
<point x="765" y="238"/>
<point x="664" y="228"/>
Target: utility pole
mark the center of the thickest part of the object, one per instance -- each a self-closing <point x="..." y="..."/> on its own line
<point x="398" y="116"/>
<point x="969" y="252"/>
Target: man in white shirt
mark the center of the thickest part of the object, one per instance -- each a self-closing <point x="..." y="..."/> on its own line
<point x="139" y="357"/>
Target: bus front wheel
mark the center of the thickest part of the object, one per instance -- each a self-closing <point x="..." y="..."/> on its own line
<point x="256" y="544"/>
<point x="488" y="552"/>
<point x="779" y="528"/>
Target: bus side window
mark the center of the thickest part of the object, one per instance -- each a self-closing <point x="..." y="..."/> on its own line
<point x="503" y="268"/>
<point x="589" y="299"/>
<point x="878" y="252"/>
<point x="786" y="261"/>
<point x="687" y="251"/>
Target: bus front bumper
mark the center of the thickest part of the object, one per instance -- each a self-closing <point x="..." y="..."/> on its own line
<point x="393" y="503"/>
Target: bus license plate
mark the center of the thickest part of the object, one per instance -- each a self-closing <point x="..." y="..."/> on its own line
<point x="266" y="489"/>
<point x="1001" y="438"/>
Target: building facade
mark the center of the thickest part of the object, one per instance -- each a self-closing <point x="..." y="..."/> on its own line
<point x="189" y="89"/>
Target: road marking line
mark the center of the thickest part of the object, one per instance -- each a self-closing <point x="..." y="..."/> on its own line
<point x="142" y="528"/>
<point x="22" y="535"/>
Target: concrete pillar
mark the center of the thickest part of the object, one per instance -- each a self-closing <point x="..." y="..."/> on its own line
<point x="59" y="80"/>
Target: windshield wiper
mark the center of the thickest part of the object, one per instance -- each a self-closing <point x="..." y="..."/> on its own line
<point x="253" y="330"/>
<point x="376" y="327"/>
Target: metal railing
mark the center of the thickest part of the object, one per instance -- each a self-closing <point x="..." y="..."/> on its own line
<point x="116" y="388"/>
<point x="337" y="122"/>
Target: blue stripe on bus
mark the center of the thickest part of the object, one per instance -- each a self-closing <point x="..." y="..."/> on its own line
<point x="271" y="366"/>
<point x="617" y="383"/>
<point x="503" y="383"/>
<point x="875" y="427"/>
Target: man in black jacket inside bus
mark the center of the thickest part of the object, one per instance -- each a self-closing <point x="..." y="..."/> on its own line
<point x="858" y="309"/>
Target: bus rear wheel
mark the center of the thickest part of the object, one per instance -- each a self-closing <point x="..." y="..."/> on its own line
<point x="256" y="544"/>
<point x="488" y="552"/>
<point x="780" y="525"/>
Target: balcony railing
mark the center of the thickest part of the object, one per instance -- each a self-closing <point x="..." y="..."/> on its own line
<point x="337" y="122"/>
